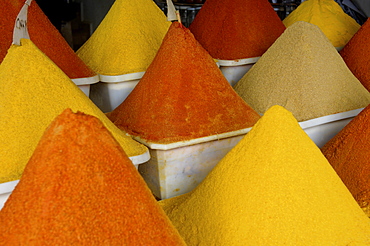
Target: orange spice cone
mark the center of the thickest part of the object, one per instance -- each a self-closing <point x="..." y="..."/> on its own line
<point x="80" y="188"/>
<point x="236" y="29"/>
<point x="45" y="36"/>
<point x="356" y="54"/>
<point x="348" y="152"/>
<point x="183" y="95"/>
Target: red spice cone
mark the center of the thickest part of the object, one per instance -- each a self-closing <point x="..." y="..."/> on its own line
<point x="183" y="95"/>
<point x="348" y="152"/>
<point x="236" y="29"/>
<point x="44" y="35"/>
<point x="356" y="54"/>
<point x="80" y="188"/>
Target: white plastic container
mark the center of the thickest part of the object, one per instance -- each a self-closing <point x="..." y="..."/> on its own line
<point x="111" y="91"/>
<point x="85" y="83"/>
<point x="5" y="191"/>
<point x="234" y="70"/>
<point x="322" y="129"/>
<point x="7" y="188"/>
<point x="177" y="168"/>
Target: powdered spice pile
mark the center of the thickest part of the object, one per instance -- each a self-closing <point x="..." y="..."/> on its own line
<point x="356" y="54"/>
<point x="236" y="29"/>
<point x="33" y="91"/>
<point x="127" y="39"/>
<point x="44" y="35"/>
<point x="303" y="72"/>
<point x="183" y="95"/>
<point x="329" y="17"/>
<point x="348" y="152"/>
<point x="275" y="187"/>
<point x="80" y="188"/>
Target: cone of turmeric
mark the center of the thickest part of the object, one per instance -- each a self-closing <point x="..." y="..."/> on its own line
<point x="275" y="187"/>
<point x="45" y="36"/>
<point x="338" y="26"/>
<point x="304" y="73"/>
<point x="80" y="188"/>
<point x="236" y="29"/>
<point x="127" y="39"/>
<point x="183" y="95"/>
<point x="33" y="91"/>
<point x="356" y="54"/>
<point x="348" y="152"/>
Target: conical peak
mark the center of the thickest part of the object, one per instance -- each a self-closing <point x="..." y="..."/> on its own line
<point x="297" y="72"/>
<point x="273" y="188"/>
<point x="183" y="95"/>
<point x="88" y="192"/>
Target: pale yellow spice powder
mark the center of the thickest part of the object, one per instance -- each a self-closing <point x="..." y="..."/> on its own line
<point x="275" y="187"/>
<point x="33" y="91"/>
<point x="127" y="39"/>
<point x="338" y="26"/>
<point x="304" y="73"/>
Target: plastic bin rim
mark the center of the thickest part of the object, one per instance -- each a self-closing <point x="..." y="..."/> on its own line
<point x="8" y="187"/>
<point x="238" y="62"/>
<point x="86" y="81"/>
<point x="194" y="141"/>
<point x="120" y="78"/>
<point x="329" y="118"/>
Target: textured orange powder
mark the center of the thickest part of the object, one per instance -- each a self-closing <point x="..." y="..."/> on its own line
<point x="348" y="152"/>
<point x="80" y="188"/>
<point x="183" y="95"/>
<point x="356" y="54"/>
<point x="44" y="35"/>
<point x="236" y="29"/>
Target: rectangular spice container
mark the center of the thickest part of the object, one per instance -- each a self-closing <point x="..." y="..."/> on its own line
<point x="5" y="191"/>
<point x="85" y="83"/>
<point x="111" y="91"/>
<point x="177" y="168"/>
<point x="324" y="128"/>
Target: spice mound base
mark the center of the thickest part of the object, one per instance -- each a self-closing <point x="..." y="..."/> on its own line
<point x="322" y="129"/>
<point x="175" y="169"/>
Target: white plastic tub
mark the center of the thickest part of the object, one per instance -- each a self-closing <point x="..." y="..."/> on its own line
<point x="234" y="70"/>
<point x="7" y="188"/>
<point x="177" y="168"/>
<point x="111" y="91"/>
<point x="322" y="129"/>
<point x="85" y="83"/>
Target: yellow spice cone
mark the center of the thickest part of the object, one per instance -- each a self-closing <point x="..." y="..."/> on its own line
<point x="33" y="91"/>
<point x="274" y="187"/>
<point x="127" y="39"/>
<point x="338" y="26"/>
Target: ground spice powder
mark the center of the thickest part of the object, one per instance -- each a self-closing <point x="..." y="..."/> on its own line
<point x="44" y="35"/>
<point x="80" y="188"/>
<point x="127" y="39"/>
<point x="328" y="16"/>
<point x="304" y="73"/>
<point x="275" y="187"/>
<point x="348" y="152"/>
<point x="236" y="29"/>
<point x="183" y="95"/>
<point x="356" y="54"/>
<point x="33" y="91"/>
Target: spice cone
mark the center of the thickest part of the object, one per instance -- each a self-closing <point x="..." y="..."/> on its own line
<point x="356" y="54"/>
<point x="275" y="187"/>
<point x="80" y="188"/>
<point x="33" y="91"/>
<point x="127" y="39"/>
<point x="236" y="29"/>
<point x="304" y="73"/>
<point x="44" y="35"/>
<point x="183" y="95"/>
<point x="338" y="26"/>
<point x="348" y="152"/>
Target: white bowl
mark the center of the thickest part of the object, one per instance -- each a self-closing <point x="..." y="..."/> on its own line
<point x="234" y="70"/>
